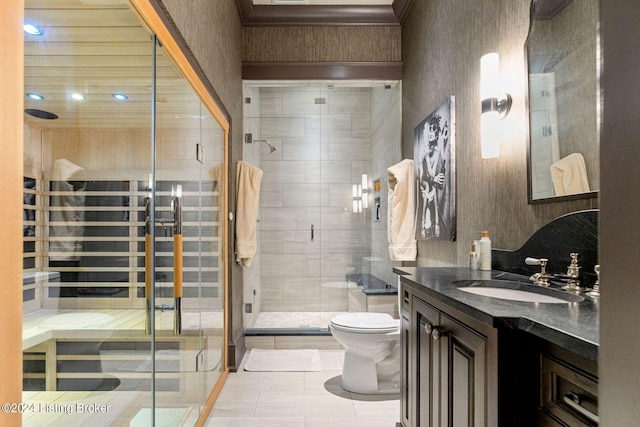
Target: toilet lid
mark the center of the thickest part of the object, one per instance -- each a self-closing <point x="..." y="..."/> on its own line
<point x="370" y="322"/>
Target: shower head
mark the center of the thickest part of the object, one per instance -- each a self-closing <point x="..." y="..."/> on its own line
<point x="248" y="139"/>
<point x="272" y="147"/>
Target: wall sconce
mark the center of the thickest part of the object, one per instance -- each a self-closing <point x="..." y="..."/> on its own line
<point x="365" y="191"/>
<point x="360" y="194"/>
<point x="495" y="105"/>
<point x="357" y="198"/>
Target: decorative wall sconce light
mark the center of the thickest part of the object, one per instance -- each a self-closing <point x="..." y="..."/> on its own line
<point x="360" y="194"/>
<point x="495" y="105"/>
<point x="357" y="198"/>
<point x="365" y="191"/>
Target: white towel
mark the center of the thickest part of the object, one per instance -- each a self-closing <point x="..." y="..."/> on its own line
<point x="569" y="175"/>
<point x="401" y="212"/>
<point x="65" y="238"/>
<point x="248" y="179"/>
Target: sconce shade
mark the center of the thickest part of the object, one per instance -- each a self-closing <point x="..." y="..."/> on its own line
<point x="490" y="135"/>
<point x="489" y="72"/>
<point x="365" y="191"/>
<point x="495" y="106"/>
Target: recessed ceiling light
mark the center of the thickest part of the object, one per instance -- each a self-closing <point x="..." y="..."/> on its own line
<point x="35" y="96"/>
<point x="77" y="96"/>
<point x="120" y="97"/>
<point x="32" y="29"/>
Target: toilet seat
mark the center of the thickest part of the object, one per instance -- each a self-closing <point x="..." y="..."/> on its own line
<point x="367" y="323"/>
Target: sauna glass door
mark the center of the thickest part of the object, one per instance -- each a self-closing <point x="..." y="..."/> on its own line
<point x="189" y="273"/>
<point x="123" y="251"/>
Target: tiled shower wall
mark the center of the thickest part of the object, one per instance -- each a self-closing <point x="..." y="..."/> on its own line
<point x="324" y="140"/>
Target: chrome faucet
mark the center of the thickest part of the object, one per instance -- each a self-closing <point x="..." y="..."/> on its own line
<point x="573" y="275"/>
<point x="595" y="292"/>
<point x="541" y="278"/>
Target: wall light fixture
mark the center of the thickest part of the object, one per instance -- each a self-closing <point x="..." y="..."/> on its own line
<point x="495" y="105"/>
<point x="365" y="191"/>
<point x="360" y="194"/>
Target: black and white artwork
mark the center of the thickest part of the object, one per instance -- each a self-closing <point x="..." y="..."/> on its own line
<point x="434" y="160"/>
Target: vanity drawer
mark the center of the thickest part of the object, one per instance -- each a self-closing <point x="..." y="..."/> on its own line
<point x="569" y="396"/>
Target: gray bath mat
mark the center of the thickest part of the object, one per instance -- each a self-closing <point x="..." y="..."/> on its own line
<point x="260" y="360"/>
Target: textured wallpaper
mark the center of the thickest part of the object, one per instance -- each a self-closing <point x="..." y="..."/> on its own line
<point x="442" y="43"/>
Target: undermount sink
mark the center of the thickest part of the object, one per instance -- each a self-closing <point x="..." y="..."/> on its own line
<point x="516" y="291"/>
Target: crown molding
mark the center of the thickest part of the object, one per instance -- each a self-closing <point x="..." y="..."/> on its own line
<point x="325" y="15"/>
<point x="321" y="70"/>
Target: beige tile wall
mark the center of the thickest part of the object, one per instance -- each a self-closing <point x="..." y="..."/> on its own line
<point x="323" y="150"/>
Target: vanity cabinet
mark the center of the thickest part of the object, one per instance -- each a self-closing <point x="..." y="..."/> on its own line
<point x="450" y="367"/>
<point x="463" y="367"/>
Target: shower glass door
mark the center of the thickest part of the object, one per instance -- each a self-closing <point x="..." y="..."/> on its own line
<point x="123" y="238"/>
<point x="314" y="223"/>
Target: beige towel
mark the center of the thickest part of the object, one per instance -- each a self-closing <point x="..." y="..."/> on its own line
<point x="569" y="175"/>
<point x="248" y="179"/>
<point x="401" y="212"/>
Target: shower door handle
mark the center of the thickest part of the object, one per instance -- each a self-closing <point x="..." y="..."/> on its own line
<point x="312" y="232"/>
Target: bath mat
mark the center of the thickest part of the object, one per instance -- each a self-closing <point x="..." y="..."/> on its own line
<point x="260" y="360"/>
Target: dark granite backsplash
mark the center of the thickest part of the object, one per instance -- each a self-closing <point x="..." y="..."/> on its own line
<point x="574" y="232"/>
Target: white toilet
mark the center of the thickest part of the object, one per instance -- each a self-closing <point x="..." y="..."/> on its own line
<point x="372" y="352"/>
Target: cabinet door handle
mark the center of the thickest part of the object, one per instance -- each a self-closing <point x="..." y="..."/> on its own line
<point x="437" y="334"/>
<point x="573" y="400"/>
<point x="312" y="232"/>
<point x="428" y="328"/>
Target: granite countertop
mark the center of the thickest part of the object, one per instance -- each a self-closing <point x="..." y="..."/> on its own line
<point x="574" y="326"/>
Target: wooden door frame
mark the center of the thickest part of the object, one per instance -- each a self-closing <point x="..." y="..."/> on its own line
<point x="11" y="155"/>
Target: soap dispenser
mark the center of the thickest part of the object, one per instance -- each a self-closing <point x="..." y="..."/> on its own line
<point x="484" y="251"/>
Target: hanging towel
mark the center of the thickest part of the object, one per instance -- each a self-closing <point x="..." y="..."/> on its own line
<point x="68" y="185"/>
<point x="401" y="212"/>
<point x="248" y="179"/>
<point x="569" y="175"/>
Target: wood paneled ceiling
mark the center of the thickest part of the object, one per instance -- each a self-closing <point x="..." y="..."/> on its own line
<point x="323" y="12"/>
<point x="101" y="47"/>
<point x="98" y="48"/>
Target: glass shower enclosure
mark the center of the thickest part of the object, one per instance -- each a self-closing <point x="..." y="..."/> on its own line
<point x="124" y="271"/>
<point x="321" y="232"/>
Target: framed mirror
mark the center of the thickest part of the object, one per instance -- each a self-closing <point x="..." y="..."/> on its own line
<point x="562" y="56"/>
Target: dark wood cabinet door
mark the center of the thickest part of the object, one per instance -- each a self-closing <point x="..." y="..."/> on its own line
<point x="463" y="359"/>
<point x="406" y="375"/>
<point x="426" y="363"/>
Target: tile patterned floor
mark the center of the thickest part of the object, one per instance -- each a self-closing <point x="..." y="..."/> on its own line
<point x="300" y="399"/>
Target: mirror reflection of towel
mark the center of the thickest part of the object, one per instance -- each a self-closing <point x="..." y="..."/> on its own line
<point x="569" y="175"/>
<point x="248" y="178"/>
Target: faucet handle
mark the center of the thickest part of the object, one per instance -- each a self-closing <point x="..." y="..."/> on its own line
<point x="541" y="278"/>
<point x="595" y="292"/>
<point x="535" y="261"/>
<point x="574" y="269"/>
